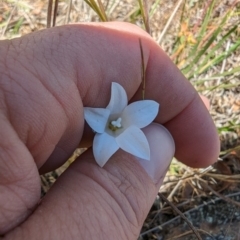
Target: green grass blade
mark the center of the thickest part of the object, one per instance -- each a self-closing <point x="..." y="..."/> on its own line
<point x="229" y="128"/>
<point x="226" y="73"/>
<point x="18" y="25"/>
<point x="216" y="47"/>
<point x="219" y="58"/>
<point x="203" y="27"/>
<point x="220" y="86"/>
<point x="217" y="76"/>
<point x="204" y="49"/>
<point x="154" y="7"/>
<point x="207" y="45"/>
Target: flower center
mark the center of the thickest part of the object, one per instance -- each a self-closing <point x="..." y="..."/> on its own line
<point x="114" y="125"/>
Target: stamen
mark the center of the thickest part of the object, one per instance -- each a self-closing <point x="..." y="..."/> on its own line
<point x="117" y="123"/>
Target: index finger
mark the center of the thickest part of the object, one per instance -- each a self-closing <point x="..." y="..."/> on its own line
<point x="83" y="60"/>
<point x="182" y="111"/>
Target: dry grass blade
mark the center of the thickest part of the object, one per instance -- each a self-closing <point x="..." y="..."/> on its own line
<point x="49" y="13"/>
<point x="188" y="233"/>
<point x="8" y="21"/>
<point x="229" y="151"/>
<point x="55" y="13"/>
<point x="143" y="73"/>
<point x="188" y="212"/>
<point x="98" y="8"/>
<point x="224" y="63"/>
<point x="195" y="231"/>
<point x="169" y="21"/>
<point x="113" y="7"/>
<point x="101" y="7"/>
<point x="229" y="200"/>
<point x="177" y="186"/>
<point x="68" y="11"/>
<point x="227" y="178"/>
<point x="143" y="4"/>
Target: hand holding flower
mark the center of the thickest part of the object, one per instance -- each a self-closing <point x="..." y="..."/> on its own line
<point x="46" y="80"/>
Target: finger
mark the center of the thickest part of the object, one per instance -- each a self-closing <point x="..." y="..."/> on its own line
<point x="83" y="60"/>
<point x="88" y="134"/>
<point x="39" y="97"/>
<point x="119" y="54"/>
<point x="19" y="179"/>
<point x="205" y="101"/>
<point x="181" y="111"/>
<point x="176" y="127"/>
<point x="89" y="202"/>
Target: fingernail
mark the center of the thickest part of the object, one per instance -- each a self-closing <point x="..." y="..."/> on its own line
<point x="162" y="150"/>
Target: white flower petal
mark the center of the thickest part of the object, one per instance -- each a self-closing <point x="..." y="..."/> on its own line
<point x="96" y="118"/>
<point x="104" y="146"/>
<point x="140" y="113"/>
<point x="118" y="99"/>
<point x="133" y="141"/>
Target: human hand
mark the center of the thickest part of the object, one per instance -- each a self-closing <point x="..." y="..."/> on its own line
<point x="46" y="79"/>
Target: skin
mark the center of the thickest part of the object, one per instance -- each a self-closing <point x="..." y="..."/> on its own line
<point x="45" y="80"/>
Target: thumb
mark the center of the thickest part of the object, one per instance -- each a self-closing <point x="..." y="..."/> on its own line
<point x="89" y="202"/>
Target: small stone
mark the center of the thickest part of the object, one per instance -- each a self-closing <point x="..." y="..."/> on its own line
<point x="209" y="219"/>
